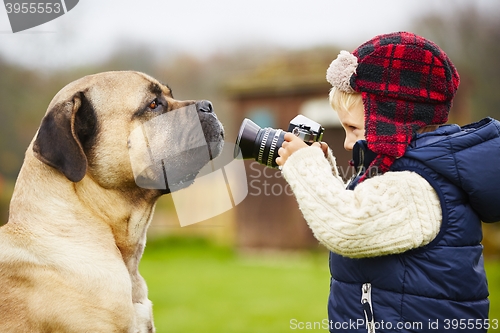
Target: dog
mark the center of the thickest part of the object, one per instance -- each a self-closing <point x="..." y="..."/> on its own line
<point x="70" y="250"/>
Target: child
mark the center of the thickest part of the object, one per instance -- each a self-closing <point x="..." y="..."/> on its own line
<point x="405" y="235"/>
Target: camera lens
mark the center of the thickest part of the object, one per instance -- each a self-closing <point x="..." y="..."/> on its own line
<point x="268" y="142"/>
<point x="262" y="144"/>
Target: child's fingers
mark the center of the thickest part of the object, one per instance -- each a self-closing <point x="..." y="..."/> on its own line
<point x="323" y="146"/>
<point x="281" y="159"/>
<point x="289" y="137"/>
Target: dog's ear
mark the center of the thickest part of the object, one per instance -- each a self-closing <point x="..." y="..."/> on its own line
<point x="65" y="136"/>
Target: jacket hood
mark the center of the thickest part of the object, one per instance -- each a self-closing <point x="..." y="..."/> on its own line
<point x="467" y="156"/>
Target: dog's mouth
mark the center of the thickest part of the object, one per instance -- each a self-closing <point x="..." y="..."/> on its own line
<point x="182" y="170"/>
<point x="175" y="172"/>
<point x="168" y="151"/>
<point x="184" y="182"/>
<point x="213" y="132"/>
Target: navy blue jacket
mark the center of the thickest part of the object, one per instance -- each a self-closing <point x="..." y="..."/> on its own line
<point x="442" y="286"/>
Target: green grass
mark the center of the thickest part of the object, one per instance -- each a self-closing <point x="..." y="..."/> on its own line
<point x="198" y="287"/>
<point x="493" y="272"/>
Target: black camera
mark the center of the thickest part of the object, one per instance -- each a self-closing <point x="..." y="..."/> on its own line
<point x="262" y="144"/>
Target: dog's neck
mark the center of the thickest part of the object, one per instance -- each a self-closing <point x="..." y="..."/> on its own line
<point x="120" y="218"/>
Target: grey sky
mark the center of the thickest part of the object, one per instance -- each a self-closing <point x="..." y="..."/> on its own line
<point x="94" y="28"/>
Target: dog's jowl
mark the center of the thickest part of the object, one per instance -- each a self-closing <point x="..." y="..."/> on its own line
<point x="78" y="217"/>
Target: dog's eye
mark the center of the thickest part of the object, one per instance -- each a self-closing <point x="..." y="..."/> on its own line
<point x="154" y="104"/>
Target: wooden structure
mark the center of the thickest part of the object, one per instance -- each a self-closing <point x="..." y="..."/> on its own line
<point x="271" y="96"/>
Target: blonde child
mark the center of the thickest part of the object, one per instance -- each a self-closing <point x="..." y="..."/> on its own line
<point x="405" y="234"/>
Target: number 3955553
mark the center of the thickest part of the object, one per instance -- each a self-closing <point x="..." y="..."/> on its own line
<point x="33" y="7"/>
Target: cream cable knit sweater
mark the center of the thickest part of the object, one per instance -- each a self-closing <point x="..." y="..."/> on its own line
<point x="386" y="214"/>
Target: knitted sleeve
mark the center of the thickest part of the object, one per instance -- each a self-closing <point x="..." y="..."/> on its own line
<point x="386" y="214"/>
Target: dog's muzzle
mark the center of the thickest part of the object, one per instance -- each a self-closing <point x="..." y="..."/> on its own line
<point x="168" y="151"/>
<point x="204" y="106"/>
<point x="211" y="126"/>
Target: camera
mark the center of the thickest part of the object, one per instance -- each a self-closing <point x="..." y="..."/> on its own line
<point x="262" y="144"/>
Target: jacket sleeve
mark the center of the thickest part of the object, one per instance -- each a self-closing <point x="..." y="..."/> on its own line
<point x="386" y="214"/>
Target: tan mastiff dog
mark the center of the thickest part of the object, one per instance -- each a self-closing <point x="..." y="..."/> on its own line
<point x="70" y="251"/>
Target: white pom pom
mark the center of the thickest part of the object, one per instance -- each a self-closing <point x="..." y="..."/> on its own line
<point x="340" y="71"/>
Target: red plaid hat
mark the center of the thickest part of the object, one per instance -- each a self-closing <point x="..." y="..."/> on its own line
<point x="406" y="82"/>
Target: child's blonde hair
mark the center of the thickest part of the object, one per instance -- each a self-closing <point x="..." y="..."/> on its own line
<point x="340" y="100"/>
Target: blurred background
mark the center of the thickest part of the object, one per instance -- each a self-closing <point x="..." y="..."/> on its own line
<point x="255" y="268"/>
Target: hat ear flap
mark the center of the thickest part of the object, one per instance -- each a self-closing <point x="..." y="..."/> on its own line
<point x="58" y="142"/>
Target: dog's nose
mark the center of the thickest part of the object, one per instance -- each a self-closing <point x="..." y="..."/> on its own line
<point x="204" y="106"/>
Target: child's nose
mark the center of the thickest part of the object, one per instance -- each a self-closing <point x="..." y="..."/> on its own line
<point x="348" y="143"/>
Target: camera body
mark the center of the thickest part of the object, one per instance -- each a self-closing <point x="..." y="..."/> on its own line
<point x="306" y="129"/>
<point x="262" y="144"/>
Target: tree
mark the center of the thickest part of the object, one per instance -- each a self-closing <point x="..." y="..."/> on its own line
<point x="471" y="38"/>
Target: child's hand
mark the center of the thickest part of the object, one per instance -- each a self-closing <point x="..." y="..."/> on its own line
<point x="323" y="146"/>
<point x="291" y="144"/>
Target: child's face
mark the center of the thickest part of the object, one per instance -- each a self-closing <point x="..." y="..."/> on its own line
<point x="353" y="122"/>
